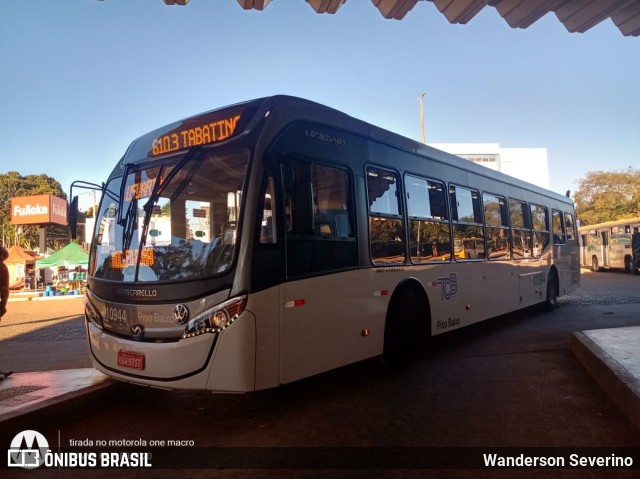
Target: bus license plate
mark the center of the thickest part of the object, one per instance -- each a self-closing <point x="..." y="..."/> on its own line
<point x="130" y="360"/>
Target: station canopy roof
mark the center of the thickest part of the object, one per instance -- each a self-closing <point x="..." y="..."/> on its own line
<point x="575" y="15"/>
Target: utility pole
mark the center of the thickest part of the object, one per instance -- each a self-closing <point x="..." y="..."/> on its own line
<point x="93" y="192"/>
<point x="420" y="99"/>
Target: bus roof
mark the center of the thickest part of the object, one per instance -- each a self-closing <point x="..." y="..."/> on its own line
<point x="234" y="121"/>
<point x="610" y="224"/>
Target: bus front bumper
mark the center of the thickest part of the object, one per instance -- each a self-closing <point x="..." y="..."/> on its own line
<point x="174" y="365"/>
<point x="222" y="362"/>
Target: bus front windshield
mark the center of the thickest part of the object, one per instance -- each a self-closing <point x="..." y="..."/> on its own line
<point x="170" y="221"/>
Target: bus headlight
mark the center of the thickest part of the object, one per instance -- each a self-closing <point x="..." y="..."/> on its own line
<point x="217" y="318"/>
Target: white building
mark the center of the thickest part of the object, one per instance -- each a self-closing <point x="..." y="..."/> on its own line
<point x="528" y="164"/>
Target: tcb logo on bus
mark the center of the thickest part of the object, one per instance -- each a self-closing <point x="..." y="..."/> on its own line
<point x="449" y="286"/>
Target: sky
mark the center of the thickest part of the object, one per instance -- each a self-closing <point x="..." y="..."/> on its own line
<point x="81" y="79"/>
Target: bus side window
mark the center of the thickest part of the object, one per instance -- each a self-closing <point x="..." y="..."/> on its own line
<point x="268" y="264"/>
<point x="570" y="226"/>
<point x="429" y="229"/>
<point x="468" y="232"/>
<point x="540" y="225"/>
<point x="386" y="225"/>
<point x="520" y="229"/>
<point x="557" y="225"/>
<point x="268" y="232"/>
<point x="320" y="219"/>
<point x="298" y="198"/>
<point x="496" y="218"/>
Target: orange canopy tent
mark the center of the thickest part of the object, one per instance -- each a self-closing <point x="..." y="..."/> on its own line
<point x="18" y="254"/>
<point x="17" y="263"/>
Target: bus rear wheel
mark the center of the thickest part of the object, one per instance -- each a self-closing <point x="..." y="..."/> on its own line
<point x="628" y="265"/>
<point x="552" y="293"/>
<point x="402" y="327"/>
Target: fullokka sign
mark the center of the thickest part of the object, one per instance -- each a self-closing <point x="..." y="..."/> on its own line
<point x="39" y="209"/>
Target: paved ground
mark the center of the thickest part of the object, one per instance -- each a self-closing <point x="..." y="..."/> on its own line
<point x="48" y="335"/>
<point x="43" y="335"/>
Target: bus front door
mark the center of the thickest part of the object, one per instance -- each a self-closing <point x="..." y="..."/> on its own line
<point x="605" y="248"/>
<point x="635" y="248"/>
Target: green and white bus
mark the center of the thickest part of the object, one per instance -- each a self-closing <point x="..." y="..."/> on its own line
<point x="610" y="245"/>
<point x="268" y="241"/>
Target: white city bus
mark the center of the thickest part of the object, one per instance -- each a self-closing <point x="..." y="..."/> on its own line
<point x="610" y="245"/>
<point x="271" y="240"/>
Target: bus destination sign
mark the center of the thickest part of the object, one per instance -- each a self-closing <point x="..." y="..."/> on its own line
<point x="141" y="189"/>
<point x="187" y="136"/>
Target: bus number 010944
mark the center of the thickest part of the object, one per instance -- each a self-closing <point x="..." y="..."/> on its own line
<point x="116" y="314"/>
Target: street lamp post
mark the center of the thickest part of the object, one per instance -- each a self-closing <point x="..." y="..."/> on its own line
<point x="420" y="99"/>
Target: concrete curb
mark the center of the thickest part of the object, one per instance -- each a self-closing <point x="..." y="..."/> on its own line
<point x="618" y="383"/>
<point x="18" y="299"/>
<point x="56" y="409"/>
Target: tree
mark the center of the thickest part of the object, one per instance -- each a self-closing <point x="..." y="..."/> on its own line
<point x="608" y="195"/>
<point x="13" y="184"/>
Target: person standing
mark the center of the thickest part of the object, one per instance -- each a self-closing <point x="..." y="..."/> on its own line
<point x="4" y="294"/>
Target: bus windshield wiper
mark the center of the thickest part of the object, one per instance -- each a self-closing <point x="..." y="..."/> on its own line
<point x="122" y="220"/>
<point x="158" y="187"/>
<point x="161" y="184"/>
<point x="128" y="224"/>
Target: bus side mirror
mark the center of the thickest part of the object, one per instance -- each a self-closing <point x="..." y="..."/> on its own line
<point x="72" y="218"/>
